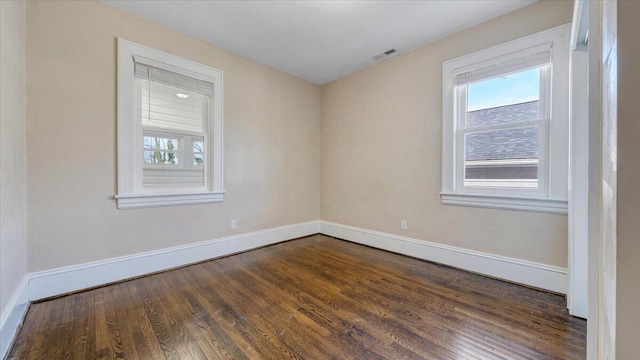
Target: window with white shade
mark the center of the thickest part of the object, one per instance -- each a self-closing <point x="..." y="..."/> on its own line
<point x="169" y="129"/>
<point x="505" y="125"/>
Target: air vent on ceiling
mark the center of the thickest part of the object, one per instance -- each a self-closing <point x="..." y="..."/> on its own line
<point x="385" y="55"/>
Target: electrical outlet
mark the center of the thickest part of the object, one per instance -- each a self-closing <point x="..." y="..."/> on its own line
<point x="403" y="224"/>
<point x="234" y="225"/>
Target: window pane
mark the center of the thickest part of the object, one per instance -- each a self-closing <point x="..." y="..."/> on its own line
<point x="198" y="147"/>
<point x="506" y="158"/>
<point x="170" y="107"/>
<point x="198" y="151"/>
<point x="198" y="159"/>
<point x="161" y="149"/>
<point x="160" y="157"/>
<point x="160" y="143"/>
<point x="510" y="99"/>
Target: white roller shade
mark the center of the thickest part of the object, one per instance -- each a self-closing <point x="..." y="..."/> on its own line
<point x="536" y="57"/>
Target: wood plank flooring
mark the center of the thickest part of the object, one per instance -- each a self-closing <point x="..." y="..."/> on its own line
<point x="311" y="298"/>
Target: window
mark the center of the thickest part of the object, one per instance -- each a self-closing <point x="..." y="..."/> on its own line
<point x="505" y="125"/>
<point x="501" y="126"/>
<point x="169" y="129"/>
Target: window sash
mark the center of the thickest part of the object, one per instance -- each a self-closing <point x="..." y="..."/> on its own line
<point x="185" y="170"/>
<point x="460" y="131"/>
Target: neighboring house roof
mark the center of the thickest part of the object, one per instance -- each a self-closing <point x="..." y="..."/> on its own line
<point x="503" y="144"/>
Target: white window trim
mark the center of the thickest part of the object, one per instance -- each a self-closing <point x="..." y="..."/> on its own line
<point x="130" y="194"/>
<point x="553" y="196"/>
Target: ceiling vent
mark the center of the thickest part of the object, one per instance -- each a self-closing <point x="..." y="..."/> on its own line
<point x="385" y="55"/>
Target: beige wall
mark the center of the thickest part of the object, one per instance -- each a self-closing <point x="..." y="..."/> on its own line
<point x="271" y="141"/>
<point x="381" y="149"/>
<point x="380" y="144"/>
<point x="13" y="189"/>
<point x="628" y="178"/>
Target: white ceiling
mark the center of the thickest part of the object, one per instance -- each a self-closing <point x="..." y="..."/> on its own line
<point x="319" y="41"/>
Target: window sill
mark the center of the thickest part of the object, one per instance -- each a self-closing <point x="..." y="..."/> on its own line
<point x="517" y="203"/>
<point x="157" y="200"/>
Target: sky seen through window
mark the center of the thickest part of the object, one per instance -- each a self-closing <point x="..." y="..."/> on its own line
<point x="511" y="89"/>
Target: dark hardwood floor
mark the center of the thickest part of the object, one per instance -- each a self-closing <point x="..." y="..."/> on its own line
<point x="311" y="298"/>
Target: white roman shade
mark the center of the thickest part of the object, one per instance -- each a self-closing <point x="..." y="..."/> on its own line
<point x="165" y="77"/>
<point x="534" y="57"/>
<point x="171" y="100"/>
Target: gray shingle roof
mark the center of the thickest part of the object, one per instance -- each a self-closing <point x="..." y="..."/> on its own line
<point x="503" y="144"/>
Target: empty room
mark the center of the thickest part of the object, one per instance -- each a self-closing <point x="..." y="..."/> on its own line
<point x="438" y="179"/>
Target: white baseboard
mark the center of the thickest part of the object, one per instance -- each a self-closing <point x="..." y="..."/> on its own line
<point x="13" y="314"/>
<point x="63" y="280"/>
<point x="542" y="276"/>
<point x="44" y="284"/>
